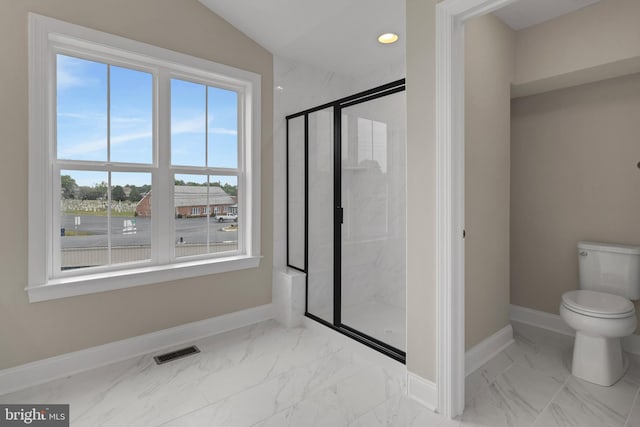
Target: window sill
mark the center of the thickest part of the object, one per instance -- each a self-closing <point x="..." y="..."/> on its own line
<point x="102" y="282"/>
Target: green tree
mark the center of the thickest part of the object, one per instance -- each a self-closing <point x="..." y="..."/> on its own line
<point x="98" y="191"/>
<point x="89" y="193"/>
<point x="69" y="187"/>
<point x="101" y="190"/>
<point x="118" y="194"/>
<point x="134" y="195"/>
<point x="231" y="190"/>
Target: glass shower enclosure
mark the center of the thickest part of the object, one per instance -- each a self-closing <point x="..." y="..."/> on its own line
<point x="346" y="214"/>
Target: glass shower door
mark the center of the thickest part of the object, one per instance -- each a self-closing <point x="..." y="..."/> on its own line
<point x="346" y="214"/>
<point x="373" y="291"/>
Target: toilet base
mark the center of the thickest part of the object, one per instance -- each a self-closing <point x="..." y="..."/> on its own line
<point x="598" y="360"/>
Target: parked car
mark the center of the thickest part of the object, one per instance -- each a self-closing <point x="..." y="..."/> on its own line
<point x="228" y="217"/>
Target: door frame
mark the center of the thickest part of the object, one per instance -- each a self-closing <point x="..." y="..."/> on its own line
<point x="451" y="16"/>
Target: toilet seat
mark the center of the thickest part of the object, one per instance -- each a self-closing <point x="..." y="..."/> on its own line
<point x="598" y="304"/>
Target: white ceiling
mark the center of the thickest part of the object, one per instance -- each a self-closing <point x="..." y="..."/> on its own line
<point x="341" y="35"/>
<point x="526" y="13"/>
<point x="335" y="35"/>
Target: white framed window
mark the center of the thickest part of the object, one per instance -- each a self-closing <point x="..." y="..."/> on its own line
<point x="127" y="142"/>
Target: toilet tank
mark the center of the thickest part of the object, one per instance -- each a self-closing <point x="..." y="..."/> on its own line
<point x="611" y="268"/>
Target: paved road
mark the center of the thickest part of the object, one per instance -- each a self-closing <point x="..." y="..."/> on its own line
<point x="192" y="230"/>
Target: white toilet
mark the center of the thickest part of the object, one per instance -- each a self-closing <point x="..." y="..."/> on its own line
<point x="601" y="311"/>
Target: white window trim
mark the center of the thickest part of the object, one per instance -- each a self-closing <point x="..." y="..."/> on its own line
<point x="44" y="32"/>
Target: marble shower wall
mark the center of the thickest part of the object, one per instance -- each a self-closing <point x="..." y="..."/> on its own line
<point x="321" y="247"/>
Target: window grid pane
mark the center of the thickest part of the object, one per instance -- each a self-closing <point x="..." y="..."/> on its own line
<point x="81" y="107"/>
<point x="222" y="128"/>
<point x="130" y="115"/>
<point x="188" y="123"/>
<point x="131" y="217"/>
<point x="103" y="218"/>
<point x="84" y="219"/>
<point x="223" y="196"/>
<point x="206" y="214"/>
<point x="104" y="112"/>
<point x="204" y="125"/>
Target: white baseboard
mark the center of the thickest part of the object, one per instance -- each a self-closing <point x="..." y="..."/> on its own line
<point x="540" y="319"/>
<point x="481" y="353"/>
<point x="553" y="322"/>
<point x="422" y="391"/>
<point x="42" y="371"/>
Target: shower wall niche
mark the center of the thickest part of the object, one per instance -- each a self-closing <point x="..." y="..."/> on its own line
<point x="346" y="214"/>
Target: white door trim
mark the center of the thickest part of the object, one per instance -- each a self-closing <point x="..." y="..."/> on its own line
<point x="450" y="369"/>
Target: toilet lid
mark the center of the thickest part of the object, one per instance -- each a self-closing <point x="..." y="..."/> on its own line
<point x="597" y="304"/>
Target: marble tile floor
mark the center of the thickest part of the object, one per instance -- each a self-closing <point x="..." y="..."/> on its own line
<point x="379" y="320"/>
<point x="266" y="376"/>
<point x="530" y="384"/>
<point x="261" y="375"/>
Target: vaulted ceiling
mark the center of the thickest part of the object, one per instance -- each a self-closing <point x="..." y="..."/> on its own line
<point x="334" y="35"/>
<point x="341" y="35"/>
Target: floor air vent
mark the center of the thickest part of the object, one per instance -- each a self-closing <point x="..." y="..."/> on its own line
<point x="178" y="354"/>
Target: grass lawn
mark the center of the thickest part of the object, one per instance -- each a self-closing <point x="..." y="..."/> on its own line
<point x="70" y="233"/>
<point x="100" y="213"/>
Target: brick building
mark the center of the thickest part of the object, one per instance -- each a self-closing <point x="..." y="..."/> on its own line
<point x="194" y="201"/>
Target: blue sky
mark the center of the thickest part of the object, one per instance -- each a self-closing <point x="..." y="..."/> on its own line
<point x="82" y="120"/>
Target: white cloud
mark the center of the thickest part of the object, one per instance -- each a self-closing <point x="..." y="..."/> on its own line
<point x="127" y="120"/>
<point x="223" y="131"/>
<point x="101" y="144"/>
<point x="71" y="73"/>
<point x="195" y="125"/>
<point x="115" y="120"/>
<point x="192" y="125"/>
<point x="82" y="116"/>
<point x="220" y="130"/>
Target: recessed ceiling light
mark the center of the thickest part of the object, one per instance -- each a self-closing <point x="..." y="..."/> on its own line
<point x="388" y="38"/>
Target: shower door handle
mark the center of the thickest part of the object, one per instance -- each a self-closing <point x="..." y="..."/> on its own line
<point x="340" y="215"/>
